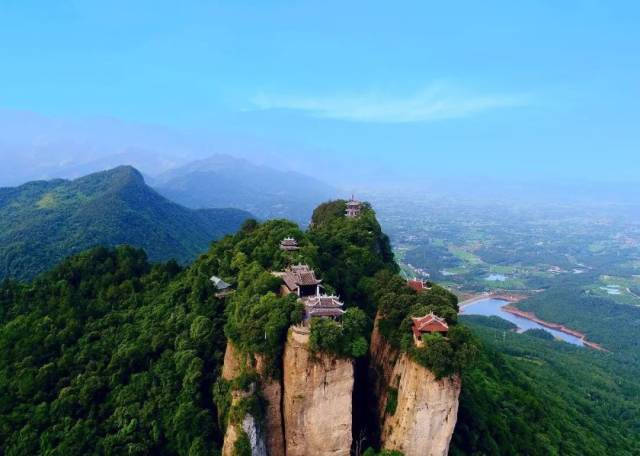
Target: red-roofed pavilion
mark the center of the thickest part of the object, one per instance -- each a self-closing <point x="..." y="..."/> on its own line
<point x="428" y="324"/>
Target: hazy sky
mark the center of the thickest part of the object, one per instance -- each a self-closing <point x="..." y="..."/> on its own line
<point x="538" y="89"/>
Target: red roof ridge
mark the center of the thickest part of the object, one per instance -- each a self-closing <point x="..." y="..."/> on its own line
<point x="420" y="322"/>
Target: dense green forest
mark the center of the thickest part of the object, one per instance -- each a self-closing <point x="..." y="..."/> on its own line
<point x="615" y="326"/>
<point x="108" y="353"/>
<point x="43" y="222"/>
<point x="526" y="395"/>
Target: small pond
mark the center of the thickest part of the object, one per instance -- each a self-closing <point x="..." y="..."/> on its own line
<point x="496" y="277"/>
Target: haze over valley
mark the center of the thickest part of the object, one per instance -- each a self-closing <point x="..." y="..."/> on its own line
<point x="336" y="229"/>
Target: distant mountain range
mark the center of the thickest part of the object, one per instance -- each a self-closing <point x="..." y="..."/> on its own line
<point x="42" y="222"/>
<point x="225" y="181"/>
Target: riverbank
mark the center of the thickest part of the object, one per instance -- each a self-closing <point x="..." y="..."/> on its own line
<point x="556" y="326"/>
<point x="510" y="298"/>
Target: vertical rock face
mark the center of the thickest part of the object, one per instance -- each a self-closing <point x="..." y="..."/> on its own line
<point x="272" y="393"/>
<point x="317" y="401"/>
<point x="250" y="427"/>
<point x="422" y="421"/>
<point x="233" y="362"/>
<point x="426" y="411"/>
<point x="230" y="438"/>
<point x="267" y="441"/>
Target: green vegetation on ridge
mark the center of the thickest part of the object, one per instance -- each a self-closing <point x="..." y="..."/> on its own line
<point x="43" y="222"/>
<point x="397" y="303"/>
<point x="108" y="354"/>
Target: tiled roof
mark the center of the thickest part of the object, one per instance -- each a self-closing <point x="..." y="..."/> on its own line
<point x="324" y="312"/>
<point x="299" y="275"/>
<point x="429" y="323"/>
<point x="219" y="283"/>
<point x="324" y="301"/>
<point x="417" y="285"/>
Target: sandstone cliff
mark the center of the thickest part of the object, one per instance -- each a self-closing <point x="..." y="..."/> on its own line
<point x="267" y="441"/>
<point x="271" y="390"/>
<point x="317" y="401"/>
<point x="418" y="412"/>
<point x="249" y="426"/>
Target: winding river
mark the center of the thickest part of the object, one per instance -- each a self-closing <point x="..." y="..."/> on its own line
<point x="492" y="306"/>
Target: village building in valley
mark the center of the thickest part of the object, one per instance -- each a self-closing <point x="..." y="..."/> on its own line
<point x="429" y="324"/>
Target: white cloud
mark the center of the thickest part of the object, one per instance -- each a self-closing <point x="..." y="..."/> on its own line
<point x="435" y="102"/>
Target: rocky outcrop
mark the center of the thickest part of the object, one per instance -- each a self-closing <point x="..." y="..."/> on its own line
<point x="310" y="411"/>
<point x="233" y="362"/>
<point x="258" y="447"/>
<point x="418" y="412"/>
<point x="271" y="389"/>
<point x="267" y="441"/>
<point x="249" y="427"/>
<point x="317" y="401"/>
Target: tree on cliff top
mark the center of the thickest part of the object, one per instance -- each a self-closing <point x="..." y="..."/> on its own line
<point x="350" y="250"/>
<point x="397" y="303"/>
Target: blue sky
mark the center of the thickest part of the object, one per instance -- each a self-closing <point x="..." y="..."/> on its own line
<point x="531" y="89"/>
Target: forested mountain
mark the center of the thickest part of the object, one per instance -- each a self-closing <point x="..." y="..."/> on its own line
<point x="109" y="354"/>
<point x="225" y="181"/>
<point x="43" y="222"/>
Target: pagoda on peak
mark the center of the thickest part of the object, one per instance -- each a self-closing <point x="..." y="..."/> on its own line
<point x="429" y="324"/>
<point x="354" y="208"/>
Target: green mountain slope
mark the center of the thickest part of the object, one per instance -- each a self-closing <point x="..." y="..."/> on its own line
<point x="43" y="222"/>
<point x="532" y="396"/>
<point x="107" y="354"/>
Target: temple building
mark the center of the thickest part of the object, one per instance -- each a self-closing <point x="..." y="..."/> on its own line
<point x="418" y="285"/>
<point x="289" y="244"/>
<point x="322" y="306"/>
<point x="301" y="280"/>
<point x="354" y="208"/>
<point x="222" y="287"/>
<point x="428" y="324"/>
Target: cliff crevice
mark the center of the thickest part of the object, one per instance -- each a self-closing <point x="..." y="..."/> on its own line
<point x="270" y="439"/>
